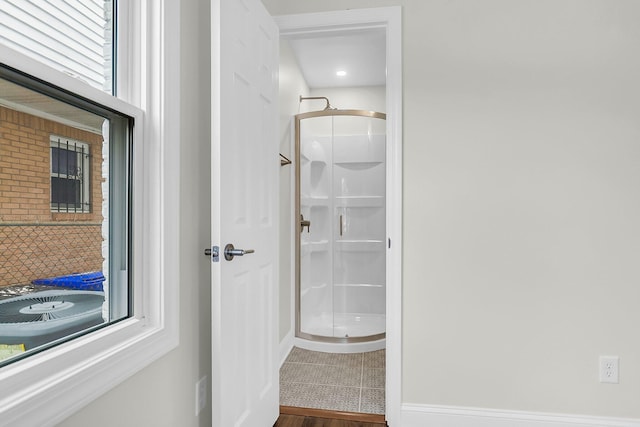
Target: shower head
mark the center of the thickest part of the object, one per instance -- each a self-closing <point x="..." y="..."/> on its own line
<point x="327" y="107"/>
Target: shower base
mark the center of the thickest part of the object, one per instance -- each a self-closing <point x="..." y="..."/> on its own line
<point x="343" y="325"/>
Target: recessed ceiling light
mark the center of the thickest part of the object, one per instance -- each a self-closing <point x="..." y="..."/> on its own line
<point x="341" y="73"/>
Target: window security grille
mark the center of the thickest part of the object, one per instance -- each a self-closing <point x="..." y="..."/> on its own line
<point x="70" y="175"/>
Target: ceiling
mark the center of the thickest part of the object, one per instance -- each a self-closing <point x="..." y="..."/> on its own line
<point x="360" y="53"/>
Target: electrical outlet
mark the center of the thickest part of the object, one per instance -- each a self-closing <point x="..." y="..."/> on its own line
<point x="609" y="369"/>
<point x="201" y="394"/>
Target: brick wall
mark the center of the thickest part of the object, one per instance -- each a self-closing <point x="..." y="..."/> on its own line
<point x="35" y="242"/>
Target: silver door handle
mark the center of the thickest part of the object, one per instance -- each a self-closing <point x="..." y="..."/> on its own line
<point x="230" y="252"/>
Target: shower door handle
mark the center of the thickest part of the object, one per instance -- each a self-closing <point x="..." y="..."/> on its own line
<point x="230" y="252"/>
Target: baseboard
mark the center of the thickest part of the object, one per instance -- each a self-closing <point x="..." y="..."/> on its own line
<point x="413" y="415"/>
<point x="285" y="347"/>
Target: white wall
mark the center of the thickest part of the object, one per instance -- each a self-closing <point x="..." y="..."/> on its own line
<point x="369" y="98"/>
<point x="163" y="395"/>
<point x="521" y="155"/>
<point x="292" y="86"/>
<point x="521" y="203"/>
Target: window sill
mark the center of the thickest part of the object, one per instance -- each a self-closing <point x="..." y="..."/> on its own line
<point x="84" y="369"/>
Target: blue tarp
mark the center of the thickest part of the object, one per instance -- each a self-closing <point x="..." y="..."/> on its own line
<point x="91" y="281"/>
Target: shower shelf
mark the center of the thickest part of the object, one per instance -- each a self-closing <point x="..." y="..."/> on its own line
<point x="318" y="246"/>
<point x="312" y="288"/>
<point x="314" y="200"/>
<point x="359" y="245"/>
<point x="359" y="197"/>
<point x="360" y="201"/>
<point x="357" y="164"/>
<point x="357" y="285"/>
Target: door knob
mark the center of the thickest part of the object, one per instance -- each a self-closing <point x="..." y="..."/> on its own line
<point x="304" y="223"/>
<point x="230" y="252"/>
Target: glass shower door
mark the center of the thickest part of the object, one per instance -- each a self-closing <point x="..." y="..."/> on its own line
<point x="342" y="202"/>
<point x="315" y="291"/>
<point x="358" y="200"/>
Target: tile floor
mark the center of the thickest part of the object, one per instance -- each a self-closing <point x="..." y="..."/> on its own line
<point x="340" y="382"/>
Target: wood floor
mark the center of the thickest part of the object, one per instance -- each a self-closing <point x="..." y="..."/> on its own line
<point x="307" y="421"/>
<point x="308" y="417"/>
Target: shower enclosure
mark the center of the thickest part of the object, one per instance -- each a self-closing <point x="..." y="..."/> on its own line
<point x="340" y="227"/>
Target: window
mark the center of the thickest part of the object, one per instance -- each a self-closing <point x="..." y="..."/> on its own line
<point x="70" y="174"/>
<point x="80" y="278"/>
<point x="140" y="327"/>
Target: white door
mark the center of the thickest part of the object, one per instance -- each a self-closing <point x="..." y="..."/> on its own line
<point x="244" y="177"/>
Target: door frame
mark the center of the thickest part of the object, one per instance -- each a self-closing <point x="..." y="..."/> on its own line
<point x="390" y="19"/>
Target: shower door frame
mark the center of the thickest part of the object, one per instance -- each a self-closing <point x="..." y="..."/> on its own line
<point x="298" y="227"/>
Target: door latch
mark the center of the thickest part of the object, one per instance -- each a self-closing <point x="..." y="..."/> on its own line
<point x="214" y="253"/>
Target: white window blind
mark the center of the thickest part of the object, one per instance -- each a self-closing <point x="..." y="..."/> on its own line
<point x="73" y="36"/>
